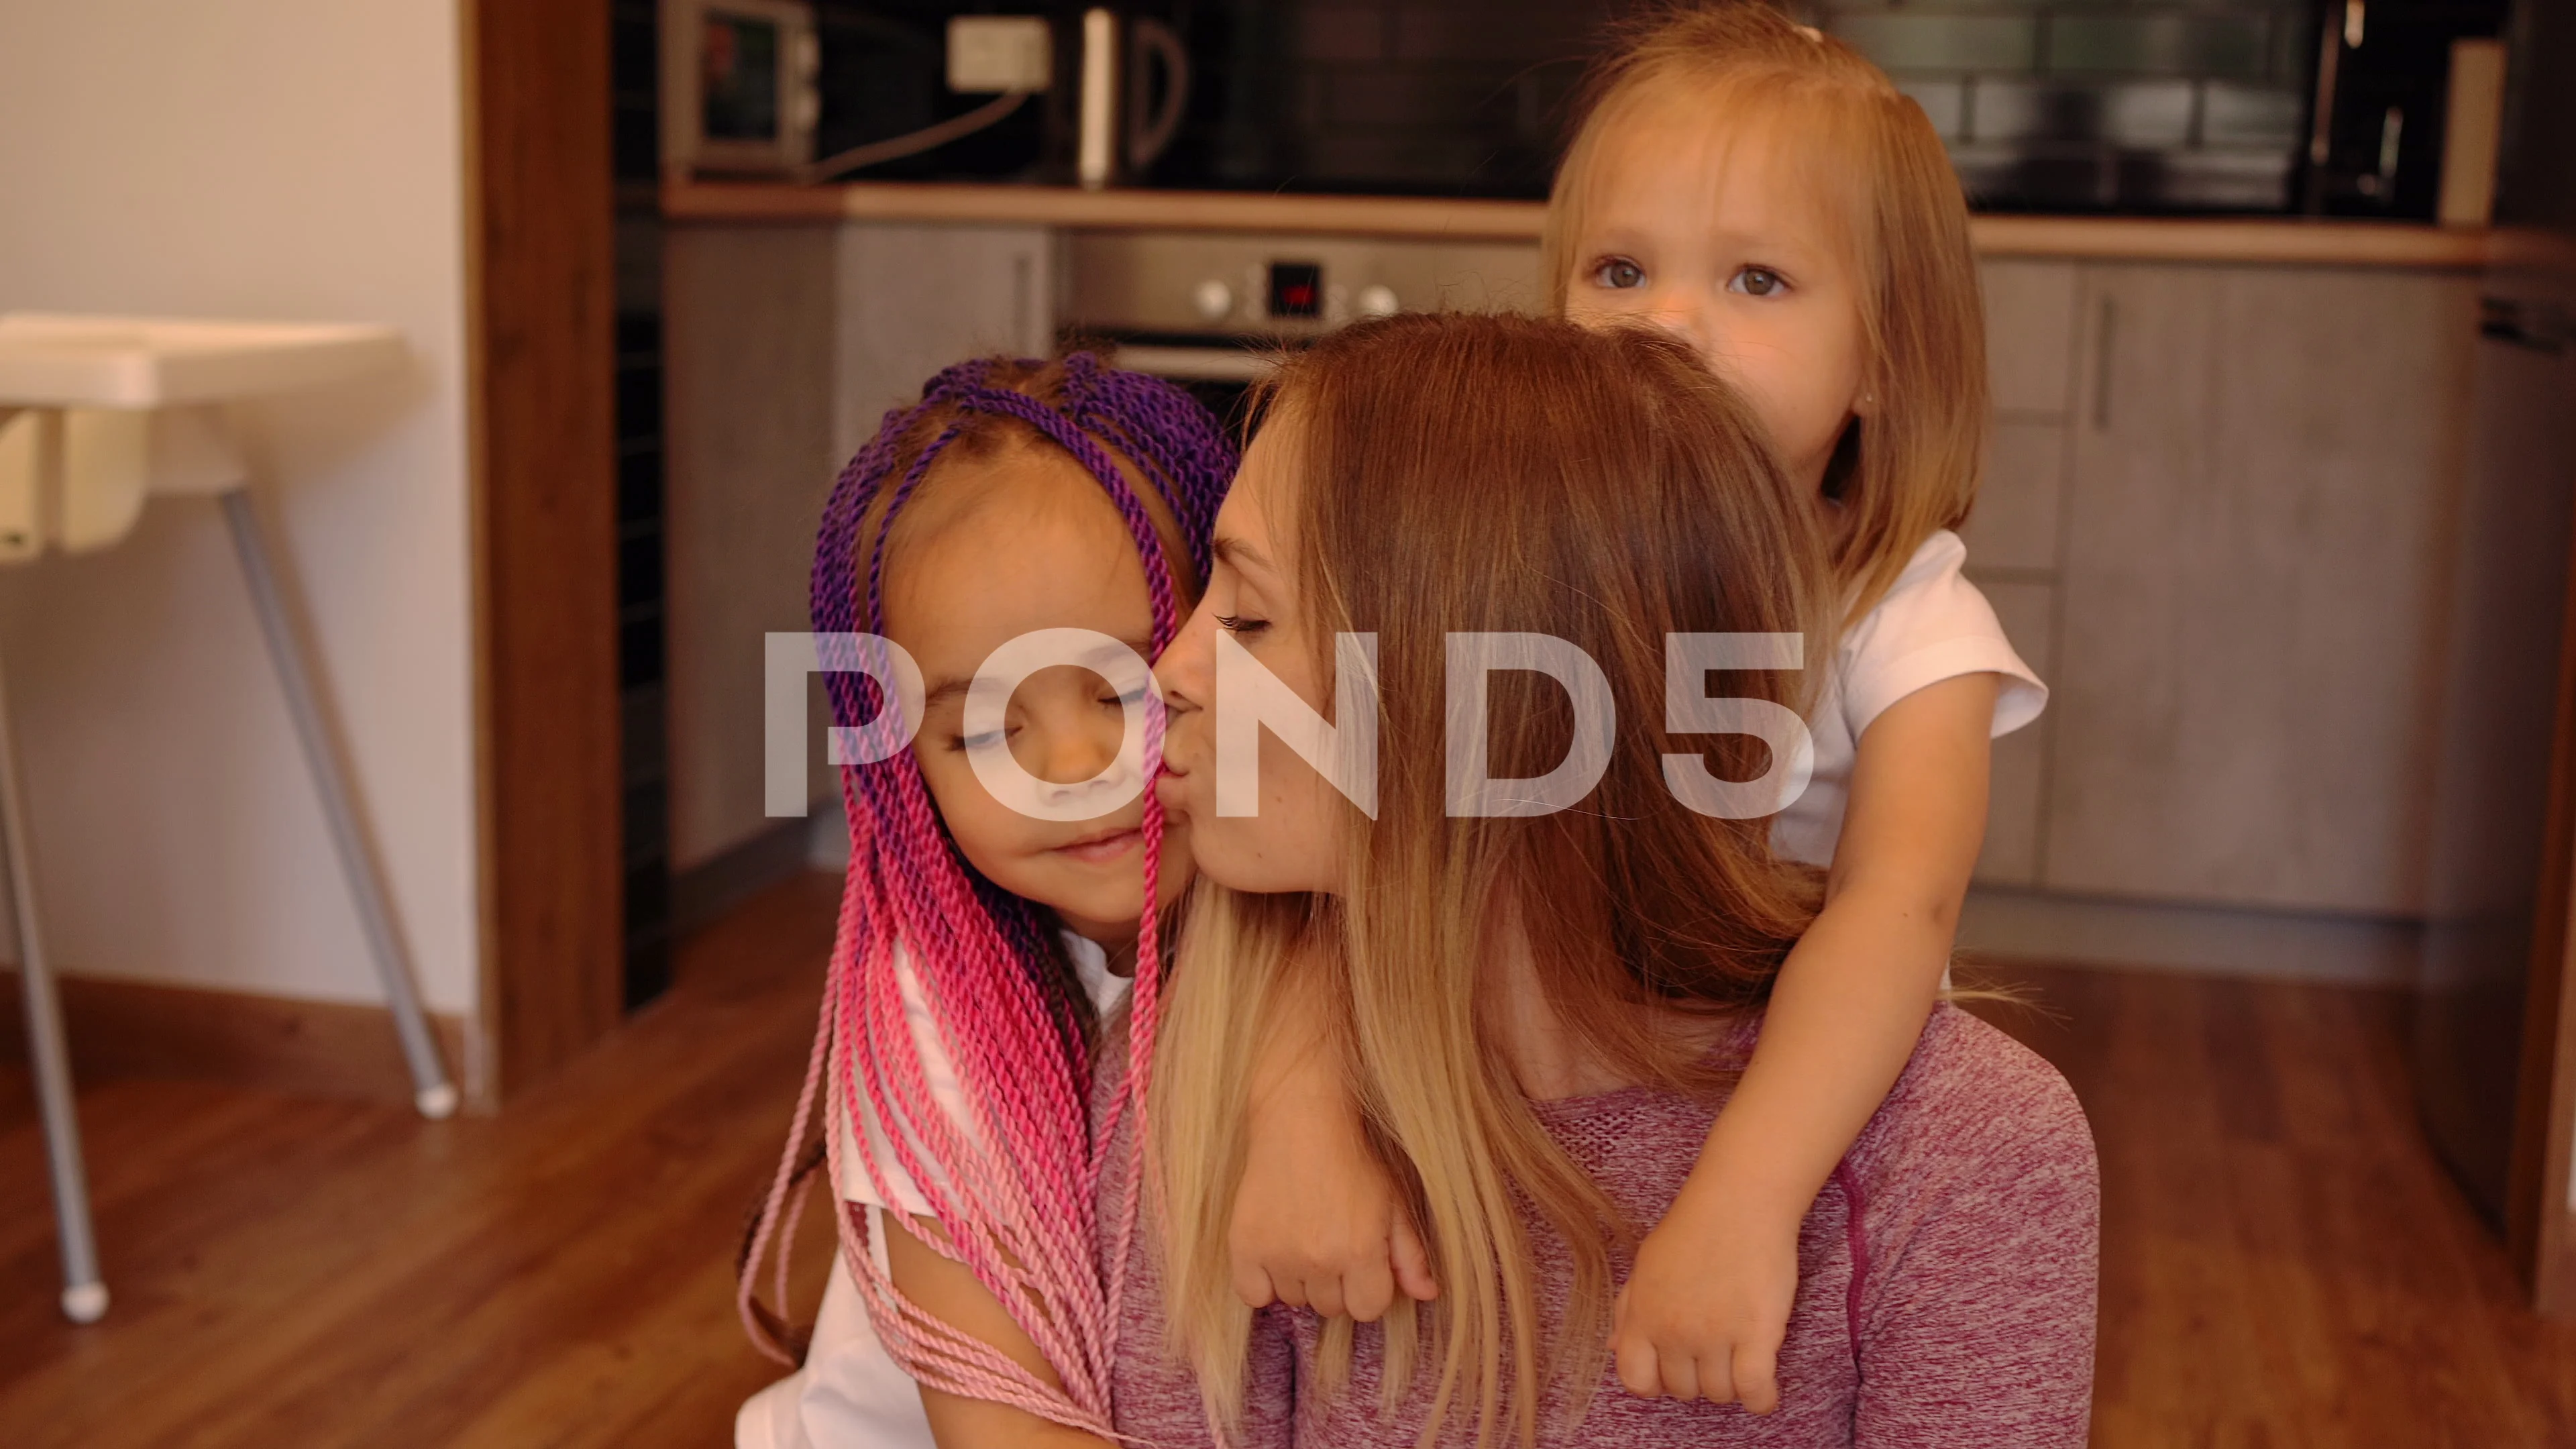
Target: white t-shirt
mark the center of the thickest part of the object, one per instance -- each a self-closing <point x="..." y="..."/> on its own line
<point x="1932" y="625"/>
<point x="851" y="1394"/>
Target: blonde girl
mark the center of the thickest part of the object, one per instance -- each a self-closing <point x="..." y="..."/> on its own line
<point x="1765" y="194"/>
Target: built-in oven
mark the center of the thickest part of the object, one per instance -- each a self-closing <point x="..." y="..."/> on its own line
<point x="1213" y="311"/>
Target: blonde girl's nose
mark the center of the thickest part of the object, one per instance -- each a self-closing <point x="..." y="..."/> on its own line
<point x="1685" y="318"/>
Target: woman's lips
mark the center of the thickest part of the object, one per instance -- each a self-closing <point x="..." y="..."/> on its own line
<point x="1173" y="789"/>
<point x="1104" y="847"/>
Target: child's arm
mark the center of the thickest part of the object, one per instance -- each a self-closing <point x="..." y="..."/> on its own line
<point x="952" y="1293"/>
<point x="1316" y="1222"/>
<point x="1708" y="1302"/>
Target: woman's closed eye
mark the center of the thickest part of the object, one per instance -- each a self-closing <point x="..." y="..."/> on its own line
<point x="1757" y="282"/>
<point x="1239" y="626"/>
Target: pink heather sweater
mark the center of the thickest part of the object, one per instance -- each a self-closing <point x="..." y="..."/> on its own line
<point x="1945" y="1282"/>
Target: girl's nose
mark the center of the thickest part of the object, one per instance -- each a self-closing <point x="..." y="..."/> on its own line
<point x="1685" y="318"/>
<point x="1072" y="756"/>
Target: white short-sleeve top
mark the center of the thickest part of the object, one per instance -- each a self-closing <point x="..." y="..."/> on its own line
<point x="1932" y="625"/>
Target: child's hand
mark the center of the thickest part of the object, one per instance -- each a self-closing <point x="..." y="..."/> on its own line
<point x="1317" y="1223"/>
<point x="1704" y="1310"/>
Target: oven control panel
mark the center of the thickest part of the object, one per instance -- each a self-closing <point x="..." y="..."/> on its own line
<point x="1281" y="287"/>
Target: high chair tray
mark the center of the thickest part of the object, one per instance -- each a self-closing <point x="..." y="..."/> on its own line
<point x="64" y="360"/>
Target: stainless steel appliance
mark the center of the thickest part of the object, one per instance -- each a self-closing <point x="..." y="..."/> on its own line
<point x="738" y="85"/>
<point x="2382" y="78"/>
<point x="1210" y="310"/>
<point x="2494" y="1056"/>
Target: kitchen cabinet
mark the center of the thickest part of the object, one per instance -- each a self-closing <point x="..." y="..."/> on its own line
<point x="2261" y="483"/>
<point x="749" y="400"/>
<point x="787" y="344"/>
<point x="913" y="297"/>
<point x="2013" y="532"/>
<point x="2214" y="517"/>
<point x="2016" y="787"/>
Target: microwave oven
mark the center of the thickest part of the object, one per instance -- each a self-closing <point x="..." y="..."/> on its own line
<point x="738" y="86"/>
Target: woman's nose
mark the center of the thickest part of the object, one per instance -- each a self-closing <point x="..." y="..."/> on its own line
<point x="1183" y="672"/>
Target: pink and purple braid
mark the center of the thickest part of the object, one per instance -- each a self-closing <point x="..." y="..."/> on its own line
<point x="1013" y="1185"/>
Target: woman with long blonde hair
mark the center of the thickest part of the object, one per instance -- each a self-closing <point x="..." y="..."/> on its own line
<point x="1540" y="996"/>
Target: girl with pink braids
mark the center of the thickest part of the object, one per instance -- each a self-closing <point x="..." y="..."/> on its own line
<point x="985" y="933"/>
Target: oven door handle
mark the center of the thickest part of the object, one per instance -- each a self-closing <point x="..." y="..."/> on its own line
<point x="1198" y="364"/>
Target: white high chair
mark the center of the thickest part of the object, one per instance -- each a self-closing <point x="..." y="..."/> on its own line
<point x="96" y="413"/>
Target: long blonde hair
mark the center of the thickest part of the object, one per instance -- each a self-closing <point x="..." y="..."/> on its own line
<point x="1911" y="465"/>
<point x="1499" y="474"/>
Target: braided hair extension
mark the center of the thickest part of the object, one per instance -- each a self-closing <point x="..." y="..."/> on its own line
<point x="1012" y="1185"/>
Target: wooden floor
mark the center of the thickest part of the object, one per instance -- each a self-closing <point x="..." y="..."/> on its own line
<point x="2283" y="1263"/>
<point x="292" y="1272"/>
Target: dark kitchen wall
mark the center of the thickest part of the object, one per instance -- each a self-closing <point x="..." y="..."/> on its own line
<point x="1407" y="95"/>
<point x="2044" y="104"/>
<point x="2055" y="105"/>
<point x="2081" y="105"/>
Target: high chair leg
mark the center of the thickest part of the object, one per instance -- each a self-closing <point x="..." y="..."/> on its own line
<point x="432" y="1092"/>
<point x="84" y="1295"/>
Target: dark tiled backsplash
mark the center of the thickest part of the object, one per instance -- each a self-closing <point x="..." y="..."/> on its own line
<point x="2044" y="103"/>
<point x="2058" y="103"/>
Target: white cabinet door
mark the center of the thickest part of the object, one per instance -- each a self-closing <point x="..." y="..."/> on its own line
<point x="917" y="296"/>
<point x="2013" y="533"/>
<point x="747" y="323"/>
<point x="2015" y="790"/>
<point x="2264" y="479"/>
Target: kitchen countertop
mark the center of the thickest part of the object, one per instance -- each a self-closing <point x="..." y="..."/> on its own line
<point x="2181" y="239"/>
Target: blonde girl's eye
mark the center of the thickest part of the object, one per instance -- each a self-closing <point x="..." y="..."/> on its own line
<point x="1240" y="627"/>
<point x="1757" y="282"/>
<point x="1619" y="274"/>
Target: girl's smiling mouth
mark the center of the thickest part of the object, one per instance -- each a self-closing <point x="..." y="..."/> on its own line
<point x="1103" y="846"/>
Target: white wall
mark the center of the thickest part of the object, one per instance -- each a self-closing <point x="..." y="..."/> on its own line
<point x="295" y="159"/>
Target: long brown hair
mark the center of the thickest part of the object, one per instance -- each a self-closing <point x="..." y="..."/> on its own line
<point x="1911" y="465"/>
<point x="1500" y="473"/>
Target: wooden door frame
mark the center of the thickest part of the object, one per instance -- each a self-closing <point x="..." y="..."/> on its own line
<point x="540" y="259"/>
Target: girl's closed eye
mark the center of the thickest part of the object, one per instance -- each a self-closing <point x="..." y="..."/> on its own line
<point x="1241" y="627"/>
<point x="1757" y="282"/>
